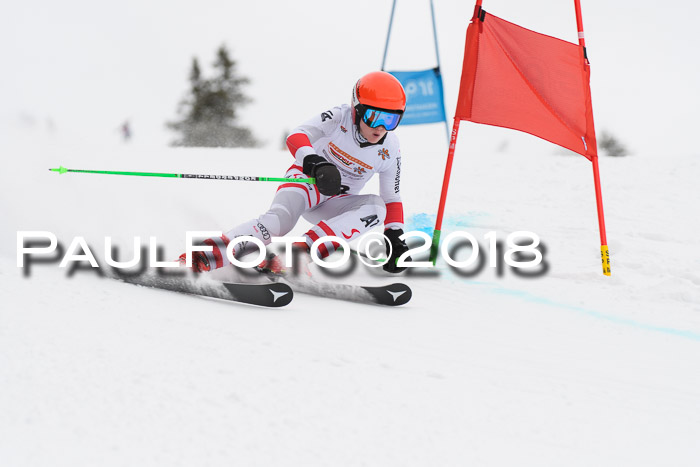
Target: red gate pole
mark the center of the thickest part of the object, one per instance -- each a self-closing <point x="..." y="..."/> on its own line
<point x="448" y="170"/>
<point x="604" y="252"/>
<point x="443" y="196"/>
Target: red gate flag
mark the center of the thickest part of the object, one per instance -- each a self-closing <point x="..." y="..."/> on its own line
<point x="516" y="78"/>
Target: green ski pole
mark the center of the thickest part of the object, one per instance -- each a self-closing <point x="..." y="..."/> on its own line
<point x="62" y="170"/>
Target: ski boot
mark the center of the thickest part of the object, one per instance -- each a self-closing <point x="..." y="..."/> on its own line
<point x="200" y="263"/>
<point x="274" y="264"/>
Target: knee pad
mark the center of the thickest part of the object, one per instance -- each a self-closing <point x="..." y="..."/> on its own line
<point x="278" y="220"/>
<point x="377" y="203"/>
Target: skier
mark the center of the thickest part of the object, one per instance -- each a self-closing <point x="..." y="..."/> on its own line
<point x="126" y="131"/>
<point x="342" y="148"/>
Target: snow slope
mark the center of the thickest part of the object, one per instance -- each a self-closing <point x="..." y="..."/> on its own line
<point x="571" y="368"/>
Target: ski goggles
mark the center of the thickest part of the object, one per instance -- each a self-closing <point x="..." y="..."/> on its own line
<point x="375" y="118"/>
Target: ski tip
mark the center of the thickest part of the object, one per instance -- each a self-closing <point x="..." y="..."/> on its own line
<point x="282" y="294"/>
<point x="60" y="170"/>
<point x="391" y="295"/>
<point x="271" y="295"/>
<point x="400" y="293"/>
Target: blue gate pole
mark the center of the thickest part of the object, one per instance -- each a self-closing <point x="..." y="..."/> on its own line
<point x="437" y="56"/>
<point x="388" y="34"/>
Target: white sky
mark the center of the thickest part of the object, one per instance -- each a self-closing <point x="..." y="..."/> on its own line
<point x="87" y="66"/>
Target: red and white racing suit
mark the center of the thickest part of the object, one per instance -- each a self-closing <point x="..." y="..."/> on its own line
<point x="334" y="136"/>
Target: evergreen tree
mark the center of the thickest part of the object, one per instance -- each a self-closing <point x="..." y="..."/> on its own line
<point x="208" y="114"/>
<point x="611" y="146"/>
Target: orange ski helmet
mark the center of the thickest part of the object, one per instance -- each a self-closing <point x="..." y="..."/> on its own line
<point x="379" y="90"/>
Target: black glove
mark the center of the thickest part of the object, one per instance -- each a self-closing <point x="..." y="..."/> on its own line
<point x="326" y="174"/>
<point x="398" y="247"/>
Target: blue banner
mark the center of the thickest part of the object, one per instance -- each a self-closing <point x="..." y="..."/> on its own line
<point x="424" y="96"/>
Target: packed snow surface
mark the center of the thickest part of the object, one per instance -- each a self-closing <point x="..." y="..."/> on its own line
<point x="570" y="368"/>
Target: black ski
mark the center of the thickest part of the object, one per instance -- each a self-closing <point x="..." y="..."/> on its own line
<point x="390" y="295"/>
<point x="274" y="294"/>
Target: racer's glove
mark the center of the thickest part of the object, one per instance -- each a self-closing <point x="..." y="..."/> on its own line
<point x="326" y="174"/>
<point x="397" y="247"/>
